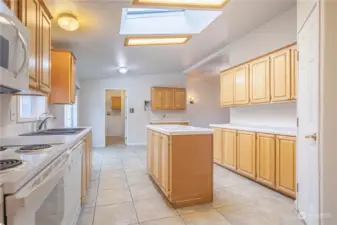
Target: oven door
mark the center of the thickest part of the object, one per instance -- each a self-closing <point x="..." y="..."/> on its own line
<point x="14" y="52"/>
<point x="42" y="200"/>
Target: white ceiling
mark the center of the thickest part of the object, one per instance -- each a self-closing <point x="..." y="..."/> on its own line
<point x="100" y="49"/>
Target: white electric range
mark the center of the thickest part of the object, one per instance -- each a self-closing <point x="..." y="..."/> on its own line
<point x="37" y="184"/>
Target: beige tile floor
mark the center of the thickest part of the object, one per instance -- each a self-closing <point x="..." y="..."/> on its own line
<point x="121" y="193"/>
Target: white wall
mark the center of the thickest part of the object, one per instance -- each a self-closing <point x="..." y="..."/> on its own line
<point x="92" y="103"/>
<point x="114" y="120"/>
<point x="275" y="34"/>
<point x="206" y="110"/>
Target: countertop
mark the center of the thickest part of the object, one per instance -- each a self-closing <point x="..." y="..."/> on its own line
<point x="268" y="130"/>
<point x="169" y="121"/>
<point x="180" y="129"/>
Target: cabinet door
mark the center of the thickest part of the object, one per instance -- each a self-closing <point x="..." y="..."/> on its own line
<point x="45" y="52"/>
<point x="265" y="159"/>
<point x="260" y="80"/>
<point x="30" y="17"/>
<point x="286" y="165"/>
<point x="179" y="99"/>
<point x="280" y="75"/>
<point x="241" y="85"/>
<point x="72" y="80"/>
<point x="294" y="73"/>
<point x="157" y="98"/>
<point x="229" y="149"/>
<point x="217" y="146"/>
<point x="168" y="99"/>
<point x="156" y="156"/>
<point x="246" y="154"/>
<point x="150" y="147"/>
<point x="165" y="162"/>
<point x="227" y="88"/>
<point x="84" y="178"/>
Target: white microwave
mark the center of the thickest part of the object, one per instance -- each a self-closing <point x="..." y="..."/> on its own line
<point x="14" y="53"/>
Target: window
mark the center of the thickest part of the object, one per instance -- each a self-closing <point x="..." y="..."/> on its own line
<point x="139" y="11"/>
<point x="70" y="115"/>
<point x="30" y="107"/>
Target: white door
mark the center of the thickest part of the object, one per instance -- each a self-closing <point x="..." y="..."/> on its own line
<point x="308" y="108"/>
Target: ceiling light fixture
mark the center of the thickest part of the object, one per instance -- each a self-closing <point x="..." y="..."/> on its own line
<point x="123" y="70"/>
<point x="159" y="40"/>
<point x="210" y="4"/>
<point x="68" y="22"/>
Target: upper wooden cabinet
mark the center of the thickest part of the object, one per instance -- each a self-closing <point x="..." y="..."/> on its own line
<point x="227" y="88"/>
<point x="116" y="102"/>
<point x="13" y="5"/>
<point x="246" y="153"/>
<point x="241" y="85"/>
<point x="63" y="77"/>
<point x="286" y="165"/>
<point x="269" y="78"/>
<point x="165" y="98"/>
<point x="265" y="159"/>
<point x="260" y="80"/>
<point x="37" y="18"/>
<point x="280" y="75"/>
<point x="294" y="72"/>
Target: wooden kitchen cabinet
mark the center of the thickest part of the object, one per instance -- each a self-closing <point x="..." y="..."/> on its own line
<point x="260" y="80"/>
<point x="241" y="85"/>
<point x="294" y="72"/>
<point x="179" y="98"/>
<point x="63" y="77"/>
<point x="13" y="5"/>
<point x="286" y="165"/>
<point x="165" y="98"/>
<point x="227" y="88"/>
<point x="116" y="103"/>
<point x="281" y="75"/>
<point x="266" y="159"/>
<point x="229" y="156"/>
<point x="246" y="154"/>
<point x="182" y="167"/>
<point x="217" y="145"/>
<point x="86" y="166"/>
<point x="37" y="18"/>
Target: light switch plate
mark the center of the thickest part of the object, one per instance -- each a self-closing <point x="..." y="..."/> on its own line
<point x="12" y="115"/>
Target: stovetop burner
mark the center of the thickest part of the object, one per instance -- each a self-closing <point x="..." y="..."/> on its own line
<point x="2" y="148"/>
<point x="6" y="164"/>
<point x="32" y="148"/>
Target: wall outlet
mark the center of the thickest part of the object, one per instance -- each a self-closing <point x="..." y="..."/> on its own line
<point x="12" y="115"/>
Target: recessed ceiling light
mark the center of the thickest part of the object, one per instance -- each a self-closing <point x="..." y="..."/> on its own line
<point x="123" y="70"/>
<point x="212" y="4"/>
<point x="159" y="40"/>
<point x="68" y="22"/>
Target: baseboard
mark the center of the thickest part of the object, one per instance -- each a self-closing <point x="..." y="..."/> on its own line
<point x="98" y="146"/>
<point x="136" y="144"/>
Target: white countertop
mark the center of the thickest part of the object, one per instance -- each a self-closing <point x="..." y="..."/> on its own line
<point x="180" y="129"/>
<point x="268" y="130"/>
<point x="169" y="121"/>
<point x="34" y="162"/>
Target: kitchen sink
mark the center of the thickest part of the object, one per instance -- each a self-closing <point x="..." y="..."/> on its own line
<point x="58" y="131"/>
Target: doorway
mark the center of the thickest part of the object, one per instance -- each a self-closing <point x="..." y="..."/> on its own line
<point x="115" y="117"/>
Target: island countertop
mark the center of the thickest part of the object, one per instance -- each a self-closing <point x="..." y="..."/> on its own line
<point x="180" y="129"/>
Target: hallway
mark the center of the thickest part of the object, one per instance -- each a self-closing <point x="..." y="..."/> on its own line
<point x="122" y="193"/>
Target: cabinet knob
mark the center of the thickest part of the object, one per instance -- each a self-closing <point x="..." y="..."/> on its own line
<point x="313" y="136"/>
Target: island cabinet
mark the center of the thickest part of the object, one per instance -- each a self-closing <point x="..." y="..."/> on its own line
<point x="63" y="77"/>
<point x="269" y="159"/>
<point x="166" y="98"/>
<point x="181" y="166"/>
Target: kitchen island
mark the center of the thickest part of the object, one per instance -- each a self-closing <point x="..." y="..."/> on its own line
<point x="180" y="162"/>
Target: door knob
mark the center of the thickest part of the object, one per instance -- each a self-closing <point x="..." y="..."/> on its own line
<point x="313" y="136"/>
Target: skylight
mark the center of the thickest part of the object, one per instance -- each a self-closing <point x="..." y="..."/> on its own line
<point x="144" y="11"/>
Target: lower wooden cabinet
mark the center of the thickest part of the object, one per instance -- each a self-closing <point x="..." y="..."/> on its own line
<point x="165" y="164"/>
<point x="286" y="165"/>
<point x="246" y="153"/>
<point x="265" y="159"/>
<point x="229" y="149"/>
<point x="217" y="146"/>
<point x="86" y="166"/>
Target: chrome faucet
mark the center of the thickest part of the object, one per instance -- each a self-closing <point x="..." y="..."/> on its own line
<point x="40" y="122"/>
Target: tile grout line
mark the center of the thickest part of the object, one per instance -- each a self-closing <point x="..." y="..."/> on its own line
<point x="99" y="181"/>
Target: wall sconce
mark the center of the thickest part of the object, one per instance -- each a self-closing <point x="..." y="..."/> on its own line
<point x="191" y="100"/>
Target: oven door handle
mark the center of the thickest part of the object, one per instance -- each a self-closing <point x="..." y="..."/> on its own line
<point x="32" y="194"/>
<point x="22" y="40"/>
